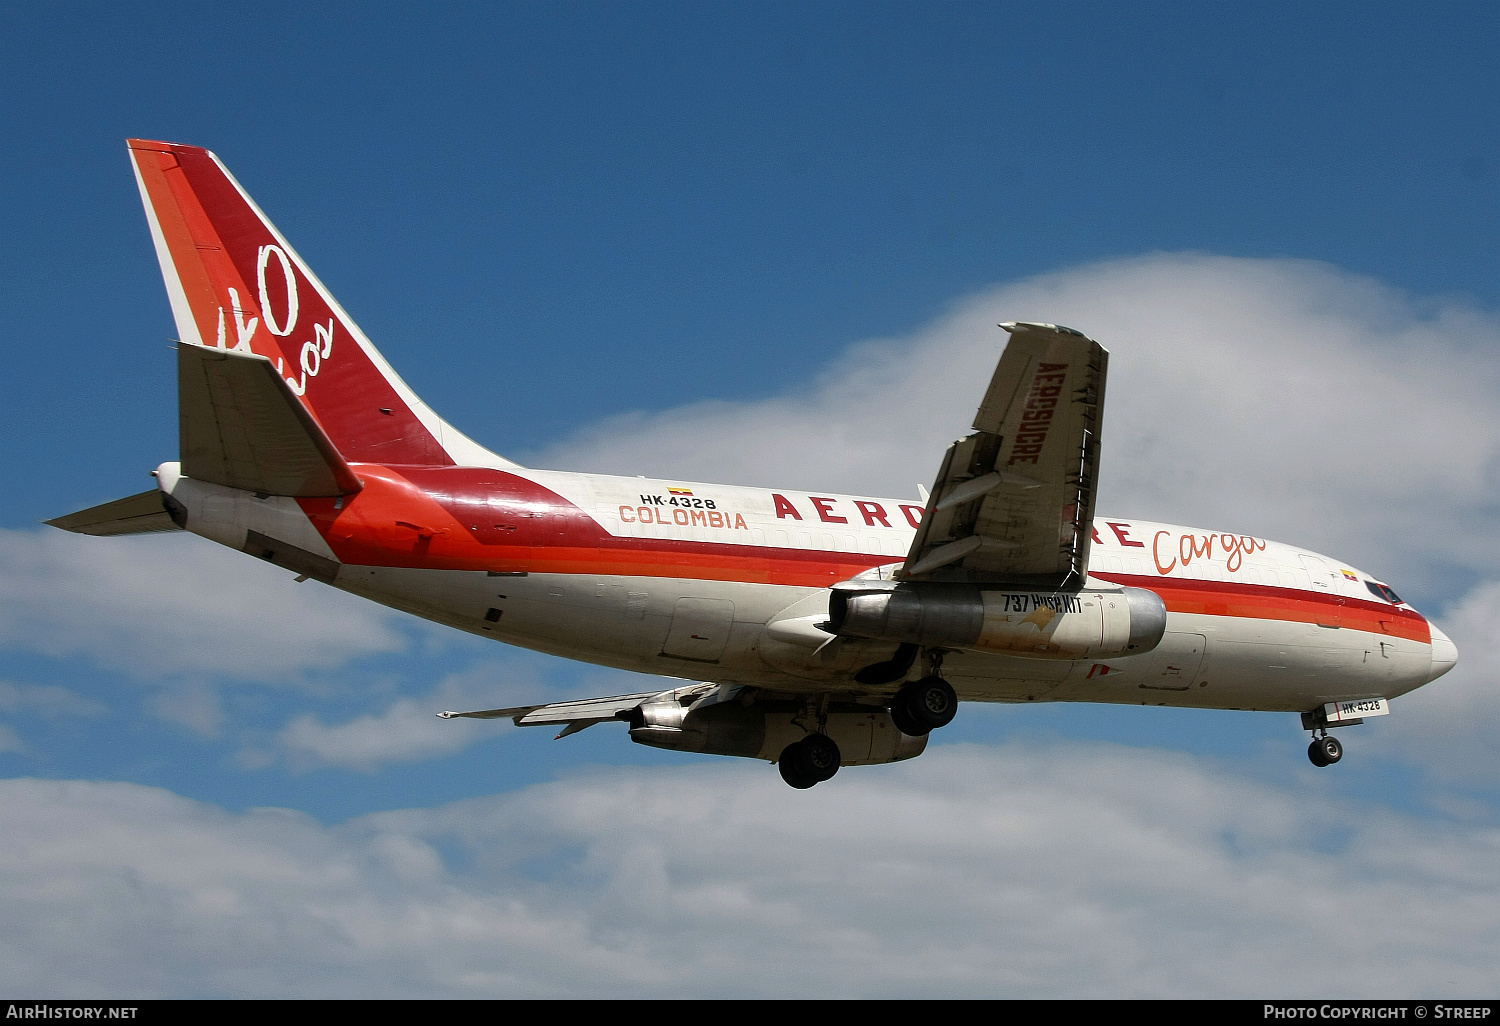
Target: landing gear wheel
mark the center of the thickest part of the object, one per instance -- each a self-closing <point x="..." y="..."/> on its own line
<point x="906" y="721"/>
<point x="790" y="771"/>
<point x="821" y="754"/>
<point x="1332" y="750"/>
<point x="924" y="706"/>
<point x="1325" y="751"/>
<point x="810" y="761"/>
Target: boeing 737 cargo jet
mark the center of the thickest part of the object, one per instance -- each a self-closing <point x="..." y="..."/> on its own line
<point x="809" y="629"/>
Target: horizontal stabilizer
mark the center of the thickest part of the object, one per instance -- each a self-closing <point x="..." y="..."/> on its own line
<point x="242" y="426"/>
<point x="138" y="514"/>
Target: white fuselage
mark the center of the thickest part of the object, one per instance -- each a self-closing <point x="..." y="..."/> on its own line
<point x="683" y="579"/>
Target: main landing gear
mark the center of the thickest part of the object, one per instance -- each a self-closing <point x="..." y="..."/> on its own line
<point x="1325" y="750"/>
<point x="923" y="706"/>
<point x="810" y="761"/>
<point x="927" y="704"/>
<point x="916" y="710"/>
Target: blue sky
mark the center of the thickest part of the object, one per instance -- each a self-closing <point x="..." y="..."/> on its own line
<point x="761" y="243"/>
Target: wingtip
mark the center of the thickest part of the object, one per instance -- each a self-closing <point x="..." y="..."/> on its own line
<point x="1018" y="326"/>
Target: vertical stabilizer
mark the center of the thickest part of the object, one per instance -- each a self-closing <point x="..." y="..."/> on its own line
<point x="235" y="283"/>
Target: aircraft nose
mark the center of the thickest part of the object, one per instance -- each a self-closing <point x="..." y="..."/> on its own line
<point x="1444" y="652"/>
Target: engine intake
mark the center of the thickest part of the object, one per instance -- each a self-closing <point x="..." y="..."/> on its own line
<point x="1044" y="624"/>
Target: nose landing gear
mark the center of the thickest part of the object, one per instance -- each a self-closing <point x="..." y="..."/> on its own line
<point x="1325" y="750"/>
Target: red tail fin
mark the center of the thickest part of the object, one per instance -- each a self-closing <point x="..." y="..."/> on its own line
<point x="236" y="283"/>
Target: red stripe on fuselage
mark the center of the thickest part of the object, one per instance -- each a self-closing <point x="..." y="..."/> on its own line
<point x="1265" y="602"/>
<point x="469" y="518"/>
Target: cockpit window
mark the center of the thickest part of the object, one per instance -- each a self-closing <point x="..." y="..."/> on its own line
<point x="1381" y="591"/>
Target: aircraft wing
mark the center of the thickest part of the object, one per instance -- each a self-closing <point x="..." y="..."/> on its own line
<point x="576" y="715"/>
<point x="1014" y="501"/>
<point x="560" y="712"/>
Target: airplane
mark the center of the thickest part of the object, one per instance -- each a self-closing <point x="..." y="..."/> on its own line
<point x="813" y="630"/>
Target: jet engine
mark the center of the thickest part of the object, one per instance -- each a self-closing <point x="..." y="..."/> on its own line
<point x="1090" y="623"/>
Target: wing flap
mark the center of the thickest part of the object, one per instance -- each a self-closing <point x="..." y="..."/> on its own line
<point x="136" y="514"/>
<point x="242" y="426"/>
<point x="1014" y="501"/>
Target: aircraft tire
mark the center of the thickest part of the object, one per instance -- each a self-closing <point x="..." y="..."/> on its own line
<point x="923" y="706"/>
<point x="1333" y="751"/>
<point x="821" y="755"/>
<point x="934" y="701"/>
<point x="1325" y="751"/>
<point x="794" y="767"/>
<point x="904" y="718"/>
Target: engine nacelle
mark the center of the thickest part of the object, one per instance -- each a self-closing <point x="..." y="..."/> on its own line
<point x="1091" y="623"/>
<point x="865" y="735"/>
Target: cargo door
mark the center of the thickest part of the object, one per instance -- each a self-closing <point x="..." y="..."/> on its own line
<point x="1178" y="662"/>
<point x="700" y="629"/>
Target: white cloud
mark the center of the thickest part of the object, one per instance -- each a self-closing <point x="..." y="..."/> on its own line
<point x="1282" y="398"/>
<point x="409" y="730"/>
<point x="175" y="604"/>
<point x="1017" y="871"/>
<point x="191" y="704"/>
<point x="46" y="700"/>
<point x="1449" y="726"/>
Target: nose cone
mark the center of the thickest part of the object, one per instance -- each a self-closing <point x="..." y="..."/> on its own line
<point x="1444" y="653"/>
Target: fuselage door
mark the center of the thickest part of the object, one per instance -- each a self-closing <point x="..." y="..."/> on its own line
<point x="1327" y="591"/>
<point x="1176" y="664"/>
<point x="700" y="629"/>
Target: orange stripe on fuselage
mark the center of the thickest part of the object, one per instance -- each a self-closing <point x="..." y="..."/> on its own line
<point x="501" y="522"/>
<point x="1264" y="602"/>
<point x="465" y="518"/>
